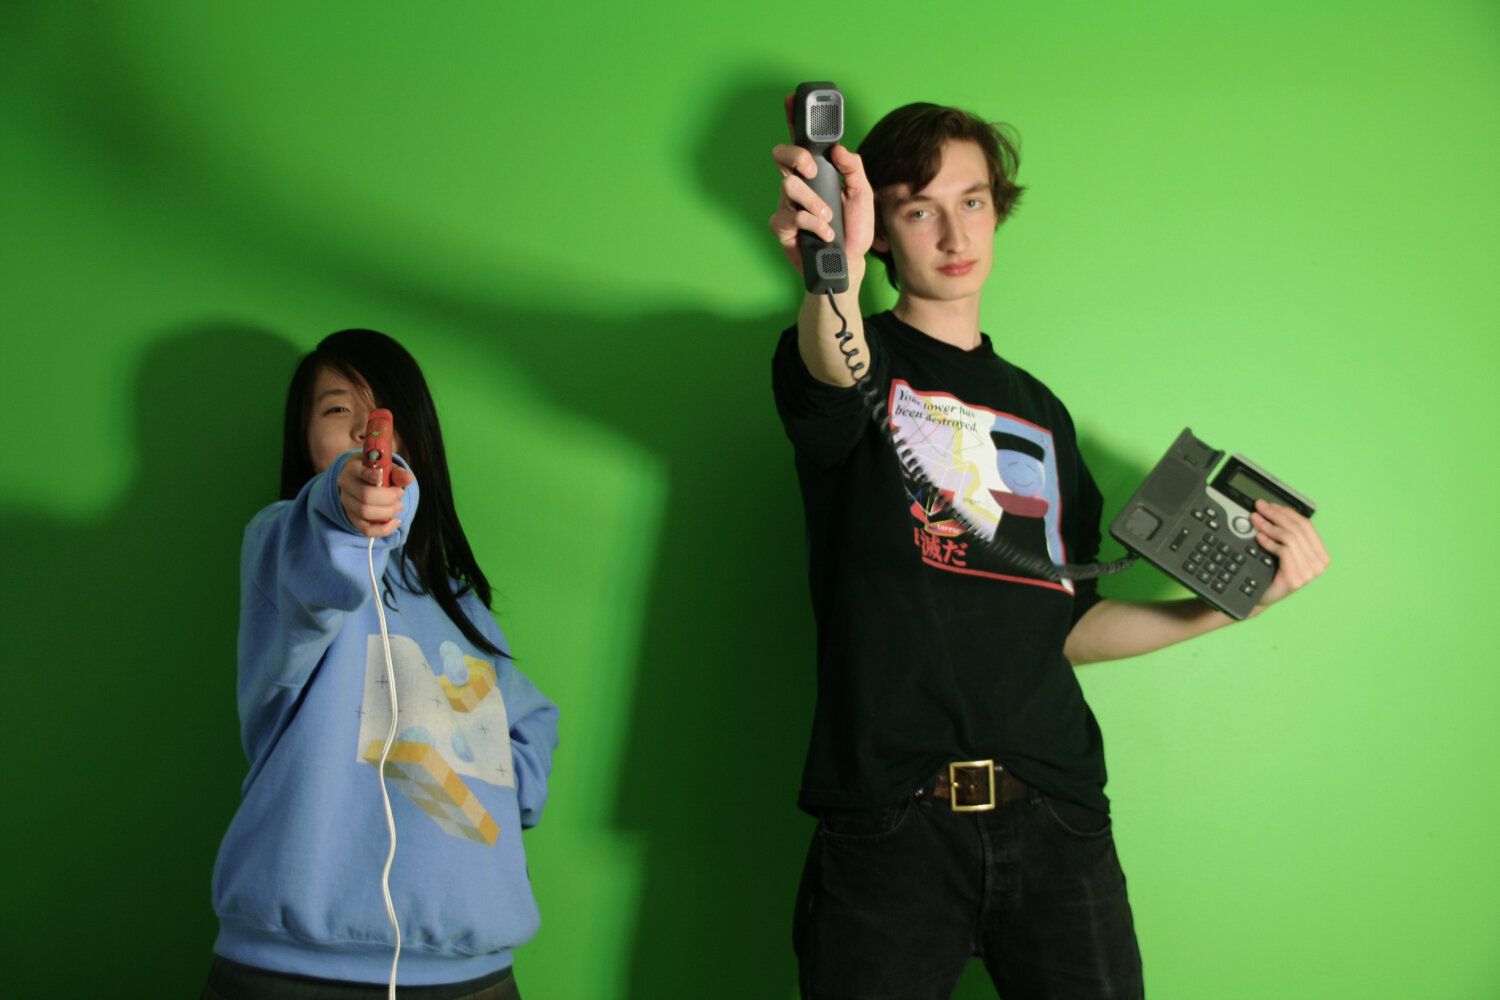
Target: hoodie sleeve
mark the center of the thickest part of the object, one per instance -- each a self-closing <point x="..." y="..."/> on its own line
<point x="533" y="738"/>
<point x="303" y="569"/>
<point x="533" y="721"/>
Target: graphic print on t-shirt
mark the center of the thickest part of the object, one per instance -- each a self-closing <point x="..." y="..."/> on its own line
<point x="452" y="724"/>
<point x="989" y="473"/>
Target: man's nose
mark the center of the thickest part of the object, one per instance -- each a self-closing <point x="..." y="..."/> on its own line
<point x="955" y="237"/>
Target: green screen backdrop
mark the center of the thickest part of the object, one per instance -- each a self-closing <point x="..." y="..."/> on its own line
<point x="1275" y="222"/>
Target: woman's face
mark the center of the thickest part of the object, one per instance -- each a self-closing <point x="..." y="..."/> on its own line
<point x="336" y="420"/>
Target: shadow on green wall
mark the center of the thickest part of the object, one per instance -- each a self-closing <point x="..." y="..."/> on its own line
<point x="1117" y="477"/>
<point x="124" y="645"/>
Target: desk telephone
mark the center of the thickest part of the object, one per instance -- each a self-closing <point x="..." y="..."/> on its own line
<point x="1198" y="532"/>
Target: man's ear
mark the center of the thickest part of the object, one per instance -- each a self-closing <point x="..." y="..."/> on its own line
<point x="880" y="245"/>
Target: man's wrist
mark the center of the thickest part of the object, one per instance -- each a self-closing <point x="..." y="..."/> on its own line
<point x="846" y="300"/>
<point x="854" y="273"/>
<point x="849" y="298"/>
<point x="856" y="268"/>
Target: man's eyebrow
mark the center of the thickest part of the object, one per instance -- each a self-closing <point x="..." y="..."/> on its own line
<point x="978" y="187"/>
<point x="330" y="392"/>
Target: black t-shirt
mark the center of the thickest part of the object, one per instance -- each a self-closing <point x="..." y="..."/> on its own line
<point x="929" y="649"/>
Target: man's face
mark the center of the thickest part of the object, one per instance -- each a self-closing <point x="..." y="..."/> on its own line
<point x="942" y="237"/>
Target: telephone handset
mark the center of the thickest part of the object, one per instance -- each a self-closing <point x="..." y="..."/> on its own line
<point x="1198" y="531"/>
<point x="380" y="435"/>
<point x="817" y="120"/>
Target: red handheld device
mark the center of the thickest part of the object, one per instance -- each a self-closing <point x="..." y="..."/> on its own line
<point x="380" y="441"/>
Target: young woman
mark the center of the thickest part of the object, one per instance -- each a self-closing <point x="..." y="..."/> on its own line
<point x="298" y="884"/>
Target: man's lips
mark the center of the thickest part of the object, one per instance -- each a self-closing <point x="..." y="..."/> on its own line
<point x="958" y="268"/>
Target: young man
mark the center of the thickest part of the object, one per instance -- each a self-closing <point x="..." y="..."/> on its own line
<point x="956" y="771"/>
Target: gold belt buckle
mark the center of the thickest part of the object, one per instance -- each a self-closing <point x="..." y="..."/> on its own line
<point x="953" y="785"/>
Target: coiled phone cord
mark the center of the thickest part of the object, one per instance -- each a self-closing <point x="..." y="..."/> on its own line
<point x="1008" y="553"/>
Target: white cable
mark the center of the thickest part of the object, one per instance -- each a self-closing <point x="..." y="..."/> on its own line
<point x="385" y="796"/>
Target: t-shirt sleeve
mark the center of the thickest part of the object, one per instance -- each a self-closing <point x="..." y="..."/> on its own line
<point x="824" y="422"/>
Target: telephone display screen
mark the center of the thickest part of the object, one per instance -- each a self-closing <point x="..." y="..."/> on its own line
<point x="1243" y="482"/>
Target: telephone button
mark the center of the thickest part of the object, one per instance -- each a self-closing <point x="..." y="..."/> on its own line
<point x="1241" y="525"/>
<point x="1142" y="523"/>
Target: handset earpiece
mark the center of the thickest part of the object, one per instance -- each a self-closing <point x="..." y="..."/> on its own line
<point x="817" y="120"/>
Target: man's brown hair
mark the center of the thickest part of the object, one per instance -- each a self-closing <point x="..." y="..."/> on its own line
<point x="906" y="147"/>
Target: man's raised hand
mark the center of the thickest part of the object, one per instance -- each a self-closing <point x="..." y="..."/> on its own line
<point x="799" y="208"/>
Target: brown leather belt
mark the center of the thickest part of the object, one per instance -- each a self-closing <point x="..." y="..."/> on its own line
<point x="978" y="786"/>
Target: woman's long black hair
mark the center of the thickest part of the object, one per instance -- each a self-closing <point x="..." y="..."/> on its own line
<point x="436" y="549"/>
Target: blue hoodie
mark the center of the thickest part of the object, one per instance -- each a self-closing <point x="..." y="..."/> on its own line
<point x="297" y="881"/>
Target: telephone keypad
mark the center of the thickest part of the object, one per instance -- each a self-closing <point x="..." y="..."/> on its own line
<point x="1221" y="563"/>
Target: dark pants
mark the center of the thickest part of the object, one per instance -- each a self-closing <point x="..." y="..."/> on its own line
<point x="895" y="901"/>
<point x="232" y="981"/>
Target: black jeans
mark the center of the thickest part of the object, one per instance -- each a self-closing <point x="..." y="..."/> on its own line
<point x="895" y="901"/>
<point x="232" y="981"/>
